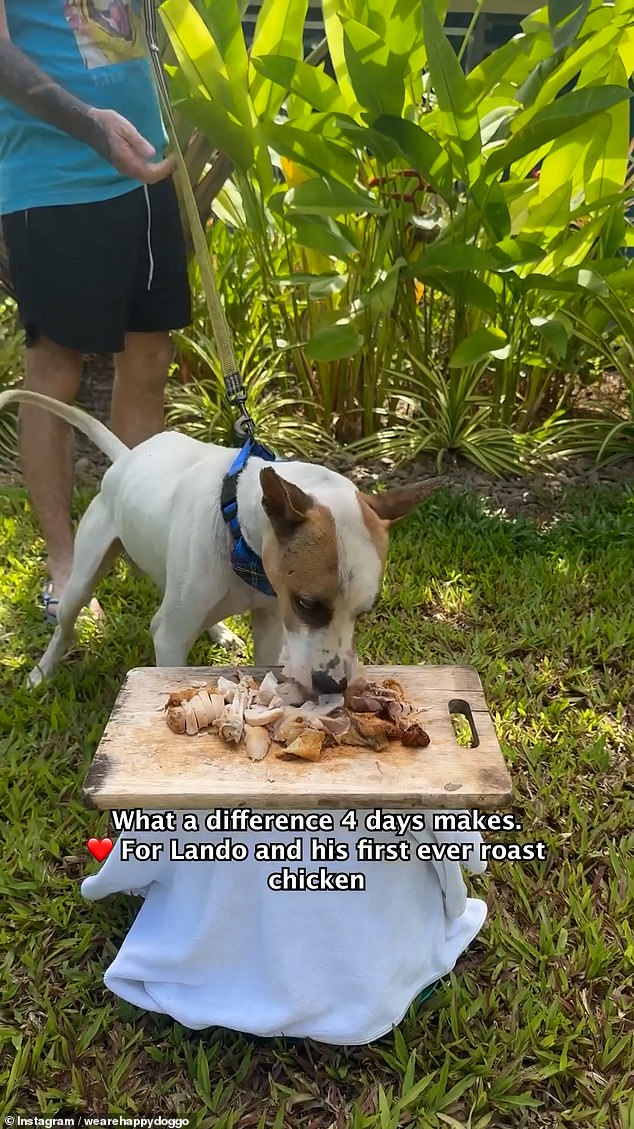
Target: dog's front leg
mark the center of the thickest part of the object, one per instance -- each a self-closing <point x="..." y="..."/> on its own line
<point x="173" y="636"/>
<point x="268" y="635"/>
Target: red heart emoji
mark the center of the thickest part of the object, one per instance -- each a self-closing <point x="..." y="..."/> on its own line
<point x="100" y="848"/>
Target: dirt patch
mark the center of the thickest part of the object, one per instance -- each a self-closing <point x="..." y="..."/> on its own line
<point x="536" y="495"/>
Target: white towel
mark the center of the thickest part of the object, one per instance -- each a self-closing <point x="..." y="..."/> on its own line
<point x="213" y="945"/>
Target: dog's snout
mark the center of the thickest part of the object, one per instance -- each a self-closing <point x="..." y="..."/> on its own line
<point x="324" y="684"/>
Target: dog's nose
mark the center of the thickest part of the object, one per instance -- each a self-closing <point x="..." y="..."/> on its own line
<point x="324" y="684"/>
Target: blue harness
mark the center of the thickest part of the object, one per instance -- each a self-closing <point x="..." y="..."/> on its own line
<point x="245" y="563"/>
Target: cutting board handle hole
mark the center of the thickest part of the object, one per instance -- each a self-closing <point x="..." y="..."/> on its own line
<point x="463" y="723"/>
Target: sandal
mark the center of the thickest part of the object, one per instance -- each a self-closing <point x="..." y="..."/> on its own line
<point x="48" y="600"/>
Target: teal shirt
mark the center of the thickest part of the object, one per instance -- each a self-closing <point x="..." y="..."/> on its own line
<point x="95" y="49"/>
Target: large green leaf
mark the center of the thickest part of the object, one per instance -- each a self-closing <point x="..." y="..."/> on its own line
<point x="569" y="282"/>
<point x="367" y="139"/>
<point x="325" y="286"/>
<point x="397" y="22"/>
<point x="324" y="197"/>
<point x="555" y="331"/>
<point x="453" y="256"/>
<point x="613" y="233"/>
<point x="377" y="76"/>
<point x="223" y="21"/>
<point x="223" y="130"/>
<point x="567" y="70"/>
<point x="530" y="90"/>
<point x="334" y="33"/>
<point x="544" y="219"/>
<point x="279" y="30"/>
<point x="568" y="112"/>
<point x="458" y="115"/>
<point x="626" y="43"/>
<point x="319" y="286"/>
<point x="510" y="59"/>
<point x="574" y="250"/>
<point x="311" y="84"/>
<point x="463" y="286"/>
<point x="491" y="201"/>
<point x="422" y="151"/>
<point x="608" y="171"/>
<point x="334" y="342"/>
<point x="322" y="233"/>
<point x="401" y="24"/>
<point x="569" y="158"/>
<point x="565" y="18"/>
<point x="196" y="52"/>
<point x="310" y="150"/>
<point x="380" y="298"/>
<point x="510" y="253"/>
<point x="478" y="346"/>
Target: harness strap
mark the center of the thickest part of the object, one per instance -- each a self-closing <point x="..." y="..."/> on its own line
<point x="244" y="561"/>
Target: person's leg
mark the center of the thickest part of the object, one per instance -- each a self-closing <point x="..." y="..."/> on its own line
<point x="72" y="280"/>
<point x="137" y="410"/>
<point x="47" y="450"/>
<point x="160" y="301"/>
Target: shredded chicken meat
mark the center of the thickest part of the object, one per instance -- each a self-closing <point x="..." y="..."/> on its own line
<point x="279" y="719"/>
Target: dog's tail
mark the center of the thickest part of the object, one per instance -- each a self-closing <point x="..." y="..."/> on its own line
<point x="97" y="432"/>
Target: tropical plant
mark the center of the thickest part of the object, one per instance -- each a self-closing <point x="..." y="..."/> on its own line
<point x="399" y="187"/>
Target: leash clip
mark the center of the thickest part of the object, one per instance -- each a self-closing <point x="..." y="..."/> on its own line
<point x="244" y="426"/>
<point x="237" y="397"/>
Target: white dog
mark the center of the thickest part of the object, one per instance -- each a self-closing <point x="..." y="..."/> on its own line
<point x="310" y="536"/>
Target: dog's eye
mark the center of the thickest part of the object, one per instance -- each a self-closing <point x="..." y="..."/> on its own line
<point x="313" y="612"/>
<point x="305" y="605"/>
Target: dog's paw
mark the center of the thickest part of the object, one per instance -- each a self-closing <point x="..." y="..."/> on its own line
<point x="226" y="638"/>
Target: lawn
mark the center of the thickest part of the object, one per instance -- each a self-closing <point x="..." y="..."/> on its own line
<point x="535" y="1027"/>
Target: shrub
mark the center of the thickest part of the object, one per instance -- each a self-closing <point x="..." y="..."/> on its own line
<point x="412" y="257"/>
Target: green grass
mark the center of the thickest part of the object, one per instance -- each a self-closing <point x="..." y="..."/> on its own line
<point x="534" y="1029"/>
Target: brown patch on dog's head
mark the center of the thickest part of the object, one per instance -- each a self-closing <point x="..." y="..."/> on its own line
<point x="324" y="556"/>
<point x="302" y="561"/>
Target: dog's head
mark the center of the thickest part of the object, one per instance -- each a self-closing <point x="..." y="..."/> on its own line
<point x="324" y="556"/>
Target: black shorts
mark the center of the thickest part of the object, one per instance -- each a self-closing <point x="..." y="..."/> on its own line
<point x="86" y="274"/>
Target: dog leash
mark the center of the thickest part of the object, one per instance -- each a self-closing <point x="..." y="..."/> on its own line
<point x="234" y="388"/>
<point x="246" y="564"/>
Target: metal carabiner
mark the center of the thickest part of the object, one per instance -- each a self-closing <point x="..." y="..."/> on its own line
<point x="244" y="427"/>
<point x="237" y="397"/>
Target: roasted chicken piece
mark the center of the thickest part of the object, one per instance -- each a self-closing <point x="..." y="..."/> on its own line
<point x="280" y="716"/>
<point x="307" y="747"/>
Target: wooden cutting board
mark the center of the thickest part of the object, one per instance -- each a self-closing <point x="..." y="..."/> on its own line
<point x="140" y="763"/>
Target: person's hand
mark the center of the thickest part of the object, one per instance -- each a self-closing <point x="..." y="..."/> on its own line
<point x="116" y="139"/>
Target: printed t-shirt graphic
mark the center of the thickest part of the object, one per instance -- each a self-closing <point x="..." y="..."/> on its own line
<point x="107" y="31"/>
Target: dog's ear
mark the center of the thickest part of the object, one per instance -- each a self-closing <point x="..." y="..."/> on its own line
<point x="397" y="503"/>
<point x="284" y="503"/>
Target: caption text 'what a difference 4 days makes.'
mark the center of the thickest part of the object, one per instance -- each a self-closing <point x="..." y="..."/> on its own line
<point x="234" y="821"/>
